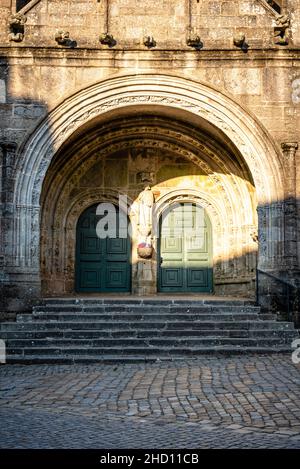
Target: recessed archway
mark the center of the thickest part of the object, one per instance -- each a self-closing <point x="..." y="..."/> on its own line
<point x="177" y="156"/>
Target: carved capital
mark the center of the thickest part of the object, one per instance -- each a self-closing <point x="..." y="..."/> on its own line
<point x="8" y="147"/>
<point x="289" y="146"/>
<point x="289" y="150"/>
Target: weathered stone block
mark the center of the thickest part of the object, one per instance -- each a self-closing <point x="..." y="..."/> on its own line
<point x="240" y="81"/>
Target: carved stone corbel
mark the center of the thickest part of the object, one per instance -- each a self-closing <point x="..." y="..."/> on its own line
<point x="149" y="42"/>
<point x="62" y="37"/>
<point x="239" y="40"/>
<point x="194" y="41"/>
<point x="281" y="30"/>
<point x="16" y="26"/>
<point x="107" y="40"/>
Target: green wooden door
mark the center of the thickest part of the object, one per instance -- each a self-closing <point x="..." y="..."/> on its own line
<point x="185" y="250"/>
<point x="102" y="265"/>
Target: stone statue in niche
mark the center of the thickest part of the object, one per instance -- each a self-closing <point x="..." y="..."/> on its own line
<point x="16" y="26"/>
<point x="145" y="206"/>
<point x="281" y="30"/>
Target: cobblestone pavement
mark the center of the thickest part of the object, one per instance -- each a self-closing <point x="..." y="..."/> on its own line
<point x="211" y="402"/>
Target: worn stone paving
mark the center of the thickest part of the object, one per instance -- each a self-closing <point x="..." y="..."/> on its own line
<point x="210" y="402"/>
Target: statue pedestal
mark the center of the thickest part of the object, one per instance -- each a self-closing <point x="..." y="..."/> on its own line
<point x="145" y="278"/>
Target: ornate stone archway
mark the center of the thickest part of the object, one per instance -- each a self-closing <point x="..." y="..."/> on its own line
<point x="169" y="94"/>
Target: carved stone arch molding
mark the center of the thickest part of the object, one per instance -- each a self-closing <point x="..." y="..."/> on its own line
<point x="169" y="93"/>
<point x="239" y="125"/>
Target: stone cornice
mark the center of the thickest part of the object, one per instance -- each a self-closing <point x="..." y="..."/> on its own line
<point x="36" y="54"/>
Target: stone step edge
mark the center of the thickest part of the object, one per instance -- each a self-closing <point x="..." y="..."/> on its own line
<point x="198" y="320"/>
<point x="171" y="333"/>
<point x="136" y="309"/>
<point x="95" y="316"/>
<point x="147" y="301"/>
<point x="121" y="350"/>
<point x="31" y="359"/>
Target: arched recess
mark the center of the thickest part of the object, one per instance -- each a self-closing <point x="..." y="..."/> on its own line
<point x="196" y="102"/>
<point x="180" y="156"/>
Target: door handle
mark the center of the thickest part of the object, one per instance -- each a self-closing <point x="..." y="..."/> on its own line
<point x="161" y="260"/>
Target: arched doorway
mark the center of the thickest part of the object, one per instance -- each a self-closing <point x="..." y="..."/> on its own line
<point x="46" y="196"/>
<point x="185" y="250"/>
<point x="103" y="263"/>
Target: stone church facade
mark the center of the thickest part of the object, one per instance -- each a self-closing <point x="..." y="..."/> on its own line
<point x="198" y="100"/>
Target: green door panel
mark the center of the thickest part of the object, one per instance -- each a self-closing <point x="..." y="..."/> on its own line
<point x="102" y="265"/>
<point x="185" y="251"/>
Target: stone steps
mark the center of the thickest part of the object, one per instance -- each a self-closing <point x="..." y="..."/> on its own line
<point x="65" y="359"/>
<point x="110" y="330"/>
<point x="144" y="333"/>
<point x="141" y="349"/>
<point x="128" y="317"/>
<point x="163" y="341"/>
<point x="145" y="309"/>
<point x="135" y="325"/>
<point x="127" y="301"/>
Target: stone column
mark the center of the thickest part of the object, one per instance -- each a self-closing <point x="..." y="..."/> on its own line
<point x="19" y="241"/>
<point x="290" y="206"/>
<point x="270" y="254"/>
<point x="7" y="160"/>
